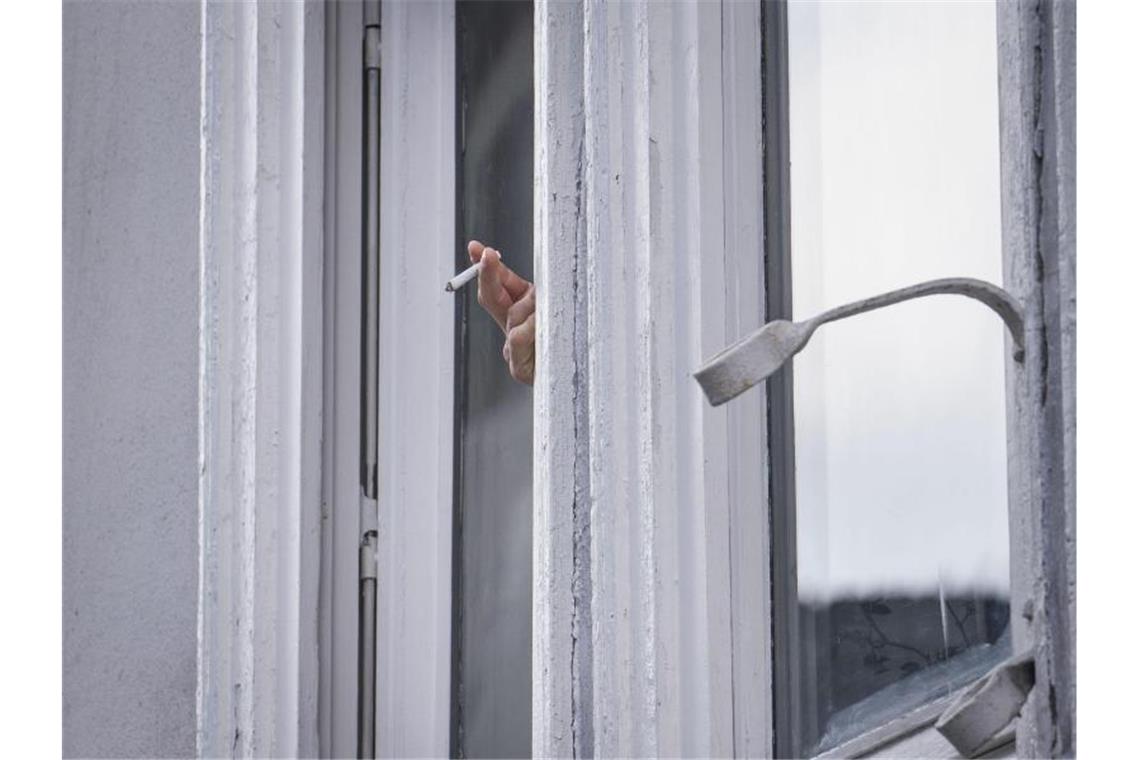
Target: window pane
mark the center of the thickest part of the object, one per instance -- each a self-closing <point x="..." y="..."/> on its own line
<point x="492" y="615"/>
<point x="902" y="556"/>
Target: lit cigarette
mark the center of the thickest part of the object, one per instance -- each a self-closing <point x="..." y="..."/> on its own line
<point x="464" y="277"/>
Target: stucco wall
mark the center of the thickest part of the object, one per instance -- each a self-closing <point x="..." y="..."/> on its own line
<point x="130" y="270"/>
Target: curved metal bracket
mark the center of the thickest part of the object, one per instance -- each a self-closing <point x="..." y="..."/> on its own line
<point x="756" y="356"/>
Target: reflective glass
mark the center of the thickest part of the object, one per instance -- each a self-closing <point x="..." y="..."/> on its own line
<point x="902" y="550"/>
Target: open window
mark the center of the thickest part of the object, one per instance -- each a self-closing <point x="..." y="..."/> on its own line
<point x="891" y="550"/>
<point x="425" y="581"/>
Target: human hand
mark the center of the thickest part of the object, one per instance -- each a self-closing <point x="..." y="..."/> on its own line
<point x="509" y="299"/>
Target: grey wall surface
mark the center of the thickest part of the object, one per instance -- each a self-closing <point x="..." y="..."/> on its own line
<point x="130" y="282"/>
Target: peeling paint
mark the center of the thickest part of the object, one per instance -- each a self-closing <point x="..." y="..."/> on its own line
<point x="1037" y="79"/>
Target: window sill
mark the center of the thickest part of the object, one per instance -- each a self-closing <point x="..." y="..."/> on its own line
<point x="901" y="736"/>
<point x="894" y="730"/>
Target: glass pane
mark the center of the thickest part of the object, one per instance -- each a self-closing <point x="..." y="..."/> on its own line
<point x="492" y="618"/>
<point x="902" y="551"/>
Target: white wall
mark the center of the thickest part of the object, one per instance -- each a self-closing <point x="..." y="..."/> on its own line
<point x="130" y="352"/>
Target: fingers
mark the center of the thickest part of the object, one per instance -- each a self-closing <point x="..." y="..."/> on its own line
<point x="510" y="300"/>
<point x="492" y="295"/>
<point x="499" y="287"/>
<point x="514" y="285"/>
<point x="521" y="309"/>
<point x="518" y="350"/>
<point x="475" y="251"/>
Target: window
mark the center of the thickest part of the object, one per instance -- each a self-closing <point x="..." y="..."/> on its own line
<point x="491" y="614"/>
<point x="890" y="518"/>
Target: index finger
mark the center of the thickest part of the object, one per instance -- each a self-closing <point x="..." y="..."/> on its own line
<point x="514" y="285"/>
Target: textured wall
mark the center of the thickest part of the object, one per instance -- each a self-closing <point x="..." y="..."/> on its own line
<point x="130" y="276"/>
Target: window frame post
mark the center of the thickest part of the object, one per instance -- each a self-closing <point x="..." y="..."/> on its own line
<point x="1036" y="86"/>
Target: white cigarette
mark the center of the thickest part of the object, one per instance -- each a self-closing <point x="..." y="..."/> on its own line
<point x="464" y="277"/>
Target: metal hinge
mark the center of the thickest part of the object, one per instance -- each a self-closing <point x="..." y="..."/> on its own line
<point x="371" y="47"/>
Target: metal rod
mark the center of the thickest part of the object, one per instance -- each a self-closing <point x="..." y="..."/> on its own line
<point x="370" y="285"/>
<point x="366" y="704"/>
<point x="1003" y="304"/>
<point x="369" y="385"/>
<point x="763" y="352"/>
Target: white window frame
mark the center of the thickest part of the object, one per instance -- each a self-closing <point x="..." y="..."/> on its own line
<point x="417" y="357"/>
<point x="415" y="381"/>
<point x="650" y="604"/>
<point x="340" y="496"/>
<point x="632" y="656"/>
<point x="259" y="383"/>
<point x="912" y="730"/>
<point x="647" y="260"/>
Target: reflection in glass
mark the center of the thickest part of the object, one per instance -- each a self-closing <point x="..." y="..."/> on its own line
<point x="902" y="558"/>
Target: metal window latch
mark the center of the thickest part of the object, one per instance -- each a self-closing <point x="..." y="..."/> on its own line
<point x="756" y="356"/>
<point x="981" y="719"/>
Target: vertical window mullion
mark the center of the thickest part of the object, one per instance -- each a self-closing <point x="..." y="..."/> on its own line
<point x="781" y="422"/>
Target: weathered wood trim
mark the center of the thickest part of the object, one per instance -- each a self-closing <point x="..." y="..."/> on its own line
<point x="260" y="377"/>
<point x="561" y="695"/>
<point x="635" y="604"/>
<point x="417" y="332"/>
<point x="1037" y="80"/>
<point x="340" y="555"/>
<point x="749" y="516"/>
<point x="655" y="252"/>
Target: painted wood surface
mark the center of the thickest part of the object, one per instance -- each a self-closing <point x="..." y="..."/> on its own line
<point x="1036" y="79"/>
<point x="417" y="255"/>
<point x="746" y="420"/>
<point x="260" y="377"/>
<point x="636" y="603"/>
<point x="340" y="498"/>
<point x="561" y="671"/>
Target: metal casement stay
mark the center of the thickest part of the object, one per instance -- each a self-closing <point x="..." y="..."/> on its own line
<point x="761" y="353"/>
<point x="369" y="384"/>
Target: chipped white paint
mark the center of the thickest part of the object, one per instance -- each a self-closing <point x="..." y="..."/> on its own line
<point x="634" y="544"/>
<point x="1036" y="80"/>
<point x="560" y="387"/>
<point x="746" y="425"/>
<point x="259" y="377"/>
<point x="417" y="329"/>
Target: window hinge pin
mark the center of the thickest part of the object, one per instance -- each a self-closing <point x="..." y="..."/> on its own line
<point x="371" y="47"/>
